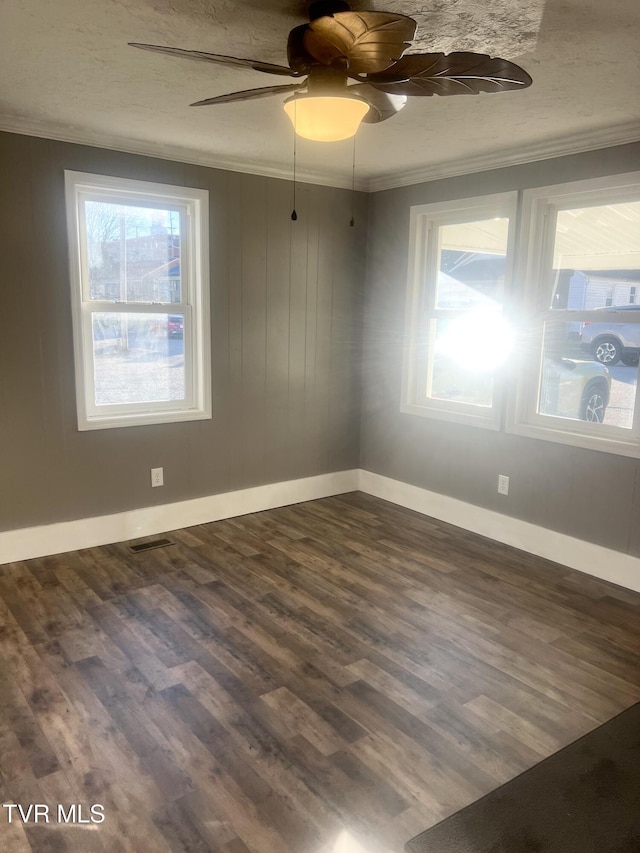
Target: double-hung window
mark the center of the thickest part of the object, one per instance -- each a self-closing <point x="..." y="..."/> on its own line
<point x="458" y="339"/>
<point x="580" y="344"/>
<point x="140" y="300"/>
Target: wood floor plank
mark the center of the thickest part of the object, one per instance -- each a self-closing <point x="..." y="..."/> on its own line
<point x="303" y="720"/>
<point x="253" y="737"/>
<point x="338" y="672"/>
<point x="97" y="757"/>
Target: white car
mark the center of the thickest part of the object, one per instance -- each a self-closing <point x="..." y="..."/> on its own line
<point x="572" y="388"/>
<point x="612" y="341"/>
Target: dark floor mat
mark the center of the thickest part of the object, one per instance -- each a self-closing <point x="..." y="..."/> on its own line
<point x="583" y="799"/>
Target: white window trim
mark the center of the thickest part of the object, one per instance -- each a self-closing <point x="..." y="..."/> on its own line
<point x="195" y="304"/>
<point x="423" y="219"/>
<point x="535" y="247"/>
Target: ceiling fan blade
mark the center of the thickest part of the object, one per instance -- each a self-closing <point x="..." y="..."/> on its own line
<point x="382" y="106"/>
<point x="459" y="73"/>
<point x="370" y="41"/>
<point x="199" y="55"/>
<point x="249" y="94"/>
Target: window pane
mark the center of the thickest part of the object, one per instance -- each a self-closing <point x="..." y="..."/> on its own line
<point x="577" y="386"/>
<point x="138" y="358"/>
<point x="452" y="375"/>
<point x="596" y="260"/>
<point x="472" y="263"/>
<point x="133" y="253"/>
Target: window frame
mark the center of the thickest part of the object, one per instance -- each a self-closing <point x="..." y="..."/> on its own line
<point x="422" y="313"/>
<point x="194" y="305"/>
<point x="535" y="264"/>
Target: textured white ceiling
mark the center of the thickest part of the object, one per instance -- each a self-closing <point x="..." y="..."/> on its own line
<point x="66" y="72"/>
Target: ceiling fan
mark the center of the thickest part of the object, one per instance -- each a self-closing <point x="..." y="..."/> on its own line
<point x="355" y="69"/>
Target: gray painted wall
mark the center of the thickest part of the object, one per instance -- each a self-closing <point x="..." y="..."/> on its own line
<point x="287" y="308"/>
<point x="586" y="494"/>
<point x="286" y="331"/>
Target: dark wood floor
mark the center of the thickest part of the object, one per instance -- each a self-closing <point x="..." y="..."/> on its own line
<point x="332" y="677"/>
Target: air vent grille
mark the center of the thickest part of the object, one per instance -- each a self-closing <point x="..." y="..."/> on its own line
<point x="149" y="546"/>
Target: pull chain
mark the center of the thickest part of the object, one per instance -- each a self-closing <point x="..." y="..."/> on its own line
<point x="294" y="215"/>
<point x="352" y="221"/>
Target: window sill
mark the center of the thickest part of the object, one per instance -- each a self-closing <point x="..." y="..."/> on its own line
<point x="143" y="419"/>
<point x="576" y="439"/>
<point x="488" y="421"/>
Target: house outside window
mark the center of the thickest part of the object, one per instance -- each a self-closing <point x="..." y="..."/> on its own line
<point x="140" y="299"/>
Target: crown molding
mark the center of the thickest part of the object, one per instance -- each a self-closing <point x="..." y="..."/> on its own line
<point x="175" y="153"/>
<point x="589" y="141"/>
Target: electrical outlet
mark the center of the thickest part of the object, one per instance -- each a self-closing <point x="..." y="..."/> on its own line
<point x="157" y="477"/>
<point x="503" y="484"/>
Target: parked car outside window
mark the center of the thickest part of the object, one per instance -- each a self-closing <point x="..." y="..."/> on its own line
<point x="175" y="325"/>
<point x="612" y="341"/>
<point x="572" y="388"/>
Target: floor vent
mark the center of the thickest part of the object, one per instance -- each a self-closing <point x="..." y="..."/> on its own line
<point x="149" y="546"/>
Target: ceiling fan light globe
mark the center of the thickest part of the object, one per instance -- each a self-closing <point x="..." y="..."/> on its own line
<point x="326" y="118"/>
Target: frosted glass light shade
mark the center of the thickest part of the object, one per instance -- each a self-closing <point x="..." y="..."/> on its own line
<point x="325" y="119"/>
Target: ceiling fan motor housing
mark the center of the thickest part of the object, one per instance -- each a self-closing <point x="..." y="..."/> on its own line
<point x="327" y="80"/>
<point x="320" y="8"/>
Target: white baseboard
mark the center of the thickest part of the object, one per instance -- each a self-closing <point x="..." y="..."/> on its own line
<point x="57" y="538"/>
<point x="603" y="563"/>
